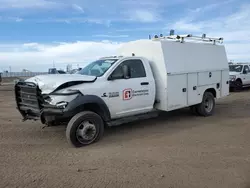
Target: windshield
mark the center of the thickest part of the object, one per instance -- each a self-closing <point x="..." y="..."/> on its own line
<point x="97" y="68"/>
<point x="235" y="68"/>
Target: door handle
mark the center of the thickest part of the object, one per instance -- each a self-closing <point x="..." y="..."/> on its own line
<point x="210" y="74"/>
<point x="184" y="90"/>
<point x="144" y="83"/>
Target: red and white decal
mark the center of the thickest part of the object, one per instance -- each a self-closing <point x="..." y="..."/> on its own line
<point x="127" y="94"/>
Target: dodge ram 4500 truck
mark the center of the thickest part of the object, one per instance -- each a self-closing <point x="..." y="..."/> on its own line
<point x="147" y="76"/>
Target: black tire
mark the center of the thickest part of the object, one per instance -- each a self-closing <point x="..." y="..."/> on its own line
<point x="76" y="130"/>
<point x="239" y="85"/>
<point x="207" y="106"/>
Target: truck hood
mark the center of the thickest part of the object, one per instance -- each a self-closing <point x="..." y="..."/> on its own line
<point x="49" y="83"/>
<point x="234" y="73"/>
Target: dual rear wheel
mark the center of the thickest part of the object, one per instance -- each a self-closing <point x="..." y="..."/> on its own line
<point x="206" y="107"/>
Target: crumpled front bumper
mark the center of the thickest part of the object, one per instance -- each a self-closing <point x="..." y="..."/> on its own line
<point x="233" y="84"/>
<point x="31" y="105"/>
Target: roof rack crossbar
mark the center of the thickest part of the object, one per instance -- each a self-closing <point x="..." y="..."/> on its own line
<point x="181" y="38"/>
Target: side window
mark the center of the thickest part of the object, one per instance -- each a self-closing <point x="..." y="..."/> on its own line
<point x="136" y="69"/>
<point x="118" y="72"/>
<point x="246" y="68"/>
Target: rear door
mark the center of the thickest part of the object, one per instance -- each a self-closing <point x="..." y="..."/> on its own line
<point x="136" y="94"/>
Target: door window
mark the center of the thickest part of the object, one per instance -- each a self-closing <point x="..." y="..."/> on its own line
<point x="246" y="69"/>
<point x="136" y="69"/>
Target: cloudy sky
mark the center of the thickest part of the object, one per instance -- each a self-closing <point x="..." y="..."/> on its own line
<point x="34" y="33"/>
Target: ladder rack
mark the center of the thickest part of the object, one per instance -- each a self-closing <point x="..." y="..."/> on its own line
<point x="111" y="57"/>
<point x="181" y="38"/>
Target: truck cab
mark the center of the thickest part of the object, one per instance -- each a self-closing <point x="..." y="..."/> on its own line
<point x="112" y="87"/>
<point x="125" y="84"/>
<point x="239" y="75"/>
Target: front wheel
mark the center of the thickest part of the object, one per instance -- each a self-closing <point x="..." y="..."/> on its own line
<point x="239" y="85"/>
<point x="207" y="106"/>
<point x="84" y="129"/>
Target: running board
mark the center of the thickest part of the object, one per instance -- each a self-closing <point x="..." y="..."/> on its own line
<point x="247" y="85"/>
<point x="130" y="119"/>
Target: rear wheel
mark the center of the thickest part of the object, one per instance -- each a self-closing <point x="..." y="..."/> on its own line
<point x="207" y="106"/>
<point x="84" y="129"/>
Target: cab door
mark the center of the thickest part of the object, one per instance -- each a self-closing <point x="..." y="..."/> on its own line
<point x="246" y="75"/>
<point x="136" y="93"/>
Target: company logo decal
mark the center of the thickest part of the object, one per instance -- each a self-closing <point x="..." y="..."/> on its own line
<point x="111" y="94"/>
<point x="129" y="93"/>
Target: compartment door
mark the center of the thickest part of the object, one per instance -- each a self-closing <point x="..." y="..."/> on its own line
<point x="225" y="83"/>
<point x="193" y="94"/>
<point x="177" y="91"/>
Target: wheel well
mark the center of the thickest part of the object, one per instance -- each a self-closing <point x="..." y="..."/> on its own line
<point x="212" y="90"/>
<point x="239" y="80"/>
<point x="94" y="107"/>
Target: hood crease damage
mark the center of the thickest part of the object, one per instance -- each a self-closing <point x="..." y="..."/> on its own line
<point x="51" y="83"/>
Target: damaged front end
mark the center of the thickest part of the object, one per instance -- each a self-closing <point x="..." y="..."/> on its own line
<point x="50" y="109"/>
<point x="29" y="100"/>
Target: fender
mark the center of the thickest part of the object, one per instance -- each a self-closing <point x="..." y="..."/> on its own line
<point x="82" y="100"/>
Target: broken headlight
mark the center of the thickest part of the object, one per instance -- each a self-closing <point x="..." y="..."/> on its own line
<point x="60" y="99"/>
<point x="232" y="77"/>
<point x="62" y="104"/>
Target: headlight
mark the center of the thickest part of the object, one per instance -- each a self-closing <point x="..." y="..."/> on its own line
<point x="62" y="104"/>
<point x="61" y="101"/>
<point x="232" y="78"/>
<point x="62" y="98"/>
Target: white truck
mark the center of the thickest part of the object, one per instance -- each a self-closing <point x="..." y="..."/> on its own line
<point x="239" y="76"/>
<point x="148" y="76"/>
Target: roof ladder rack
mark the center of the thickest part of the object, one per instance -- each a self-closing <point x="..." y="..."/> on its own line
<point x="181" y="38"/>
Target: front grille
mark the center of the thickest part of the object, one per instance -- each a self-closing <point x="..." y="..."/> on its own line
<point x="28" y="99"/>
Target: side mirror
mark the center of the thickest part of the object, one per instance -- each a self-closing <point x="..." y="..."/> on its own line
<point x="124" y="74"/>
<point x="115" y="77"/>
<point x="125" y="71"/>
<point x="110" y="77"/>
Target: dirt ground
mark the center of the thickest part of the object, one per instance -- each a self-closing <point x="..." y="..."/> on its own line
<point x="174" y="150"/>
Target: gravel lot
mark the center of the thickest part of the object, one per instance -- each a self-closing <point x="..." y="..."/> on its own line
<point x="175" y="150"/>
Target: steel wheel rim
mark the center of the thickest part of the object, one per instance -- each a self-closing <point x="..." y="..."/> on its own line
<point x="86" y="132"/>
<point x="209" y="104"/>
<point x="238" y="83"/>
